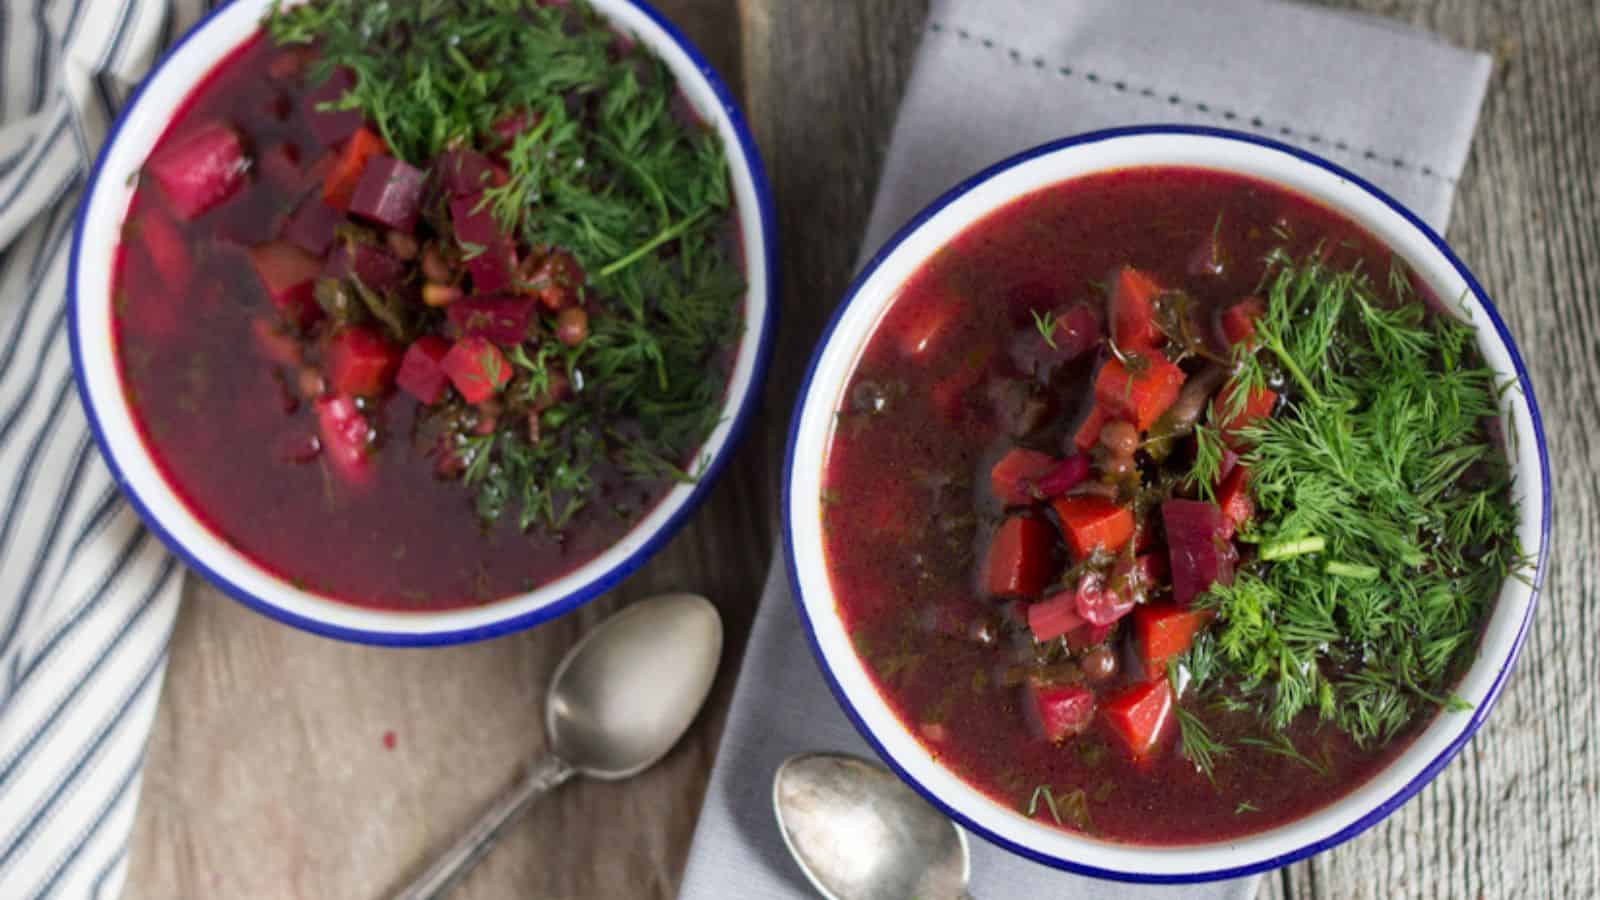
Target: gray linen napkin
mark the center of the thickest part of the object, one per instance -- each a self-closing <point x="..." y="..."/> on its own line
<point x="994" y="77"/>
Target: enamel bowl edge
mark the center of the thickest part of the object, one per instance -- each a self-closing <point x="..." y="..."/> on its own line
<point x="847" y="334"/>
<point x="105" y="203"/>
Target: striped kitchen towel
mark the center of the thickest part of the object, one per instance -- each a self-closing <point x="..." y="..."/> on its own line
<point x="87" y="596"/>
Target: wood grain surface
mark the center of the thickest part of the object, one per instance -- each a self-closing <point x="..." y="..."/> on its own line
<point x="271" y="773"/>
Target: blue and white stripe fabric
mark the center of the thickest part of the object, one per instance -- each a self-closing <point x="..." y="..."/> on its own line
<point x="87" y="596"/>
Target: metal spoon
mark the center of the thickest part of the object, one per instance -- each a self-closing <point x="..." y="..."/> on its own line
<point x="859" y="833"/>
<point x="617" y="703"/>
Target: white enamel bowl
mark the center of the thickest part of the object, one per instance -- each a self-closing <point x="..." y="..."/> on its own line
<point x="864" y="306"/>
<point x="105" y="204"/>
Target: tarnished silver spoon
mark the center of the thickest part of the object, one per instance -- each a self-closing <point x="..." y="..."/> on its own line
<point x="859" y="833"/>
<point x="617" y="703"/>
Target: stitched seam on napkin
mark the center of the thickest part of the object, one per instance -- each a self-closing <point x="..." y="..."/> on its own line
<point x="1257" y="123"/>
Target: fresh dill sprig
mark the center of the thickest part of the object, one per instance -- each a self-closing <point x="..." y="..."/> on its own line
<point x="606" y="166"/>
<point x="1071" y="808"/>
<point x="1384" y="524"/>
<point x="1197" y="744"/>
<point x="1046" y="323"/>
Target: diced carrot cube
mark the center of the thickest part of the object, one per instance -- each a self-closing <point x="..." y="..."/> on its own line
<point x="361" y="362"/>
<point x="1139" y="396"/>
<point x="1162" y="631"/>
<point x="1133" y="311"/>
<point x="477" y="368"/>
<point x="1088" y="433"/>
<point x="1258" y="405"/>
<point x="1234" y="498"/>
<point x="1062" y="710"/>
<point x="1019" y="560"/>
<point x="1054" y="616"/>
<point x="1094" y="523"/>
<point x="340" y="182"/>
<point x="1239" y="320"/>
<point x="1139" y="714"/>
<point x="1013" y="478"/>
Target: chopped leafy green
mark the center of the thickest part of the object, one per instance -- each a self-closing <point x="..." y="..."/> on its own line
<point x="605" y="165"/>
<point x="1384" y="522"/>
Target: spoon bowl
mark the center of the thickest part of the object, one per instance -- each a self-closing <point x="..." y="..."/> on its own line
<point x="617" y="702"/>
<point x="628" y="690"/>
<point x="859" y="833"/>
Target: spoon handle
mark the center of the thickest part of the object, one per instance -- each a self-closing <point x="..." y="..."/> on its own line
<point x="544" y="774"/>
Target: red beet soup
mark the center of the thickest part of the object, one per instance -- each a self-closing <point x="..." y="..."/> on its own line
<point x="1087" y="505"/>
<point x="418" y="350"/>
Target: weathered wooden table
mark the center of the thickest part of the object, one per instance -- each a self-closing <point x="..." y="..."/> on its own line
<point x="285" y="765"/>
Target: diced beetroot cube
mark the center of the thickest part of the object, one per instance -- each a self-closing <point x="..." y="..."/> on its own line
<point x="1062" y="710"/>
<point x="288" y="274"/>
<point x="465" y="172"/>
<point x="489" y="253"/>
<point x="1066" y="475"/>
<point x="346" y="437"/>
<point x="422" y="372"/>
<point x="275" y="344"/>
<point x="201" y="169"/>
<point x="333" y="126"/>
<point x="1020" y="558"/>
<point x="366" y="263"/>
<point x="389" y="193"/>
<point x="1054" y="616"/>
<point x="1199" y="553"/>
<point x="166" y="249"/>
<point x="476" y="368"/>
<point x="311" y="228"/>
<point x="502" y="319"/>
<point x="1098" y="604"/>
<point x="361" y="361"/>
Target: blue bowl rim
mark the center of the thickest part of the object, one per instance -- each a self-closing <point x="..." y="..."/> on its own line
<point x="601" y="584"/>
<point x="1382" y="810"/>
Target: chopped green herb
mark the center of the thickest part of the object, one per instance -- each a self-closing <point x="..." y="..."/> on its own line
<point x="1046" y="323"/>
<point x="1383" y="513"/>
<point x="1197" y="743"/>
<point x="604" y="168"/>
